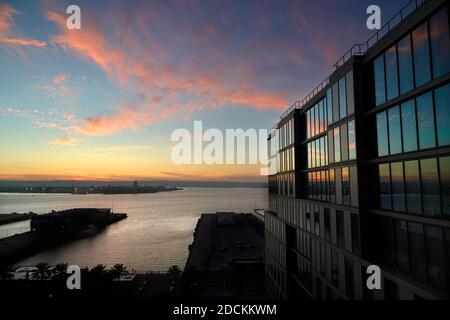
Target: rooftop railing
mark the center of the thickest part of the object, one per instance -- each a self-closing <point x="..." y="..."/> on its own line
<point x="360" y="49"/>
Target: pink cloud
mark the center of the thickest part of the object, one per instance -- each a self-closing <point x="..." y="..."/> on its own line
<point x="6" y="18"/>
<point x="143" y="67"/>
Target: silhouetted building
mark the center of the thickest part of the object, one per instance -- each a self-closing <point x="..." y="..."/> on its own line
<point x="360" y="171"/>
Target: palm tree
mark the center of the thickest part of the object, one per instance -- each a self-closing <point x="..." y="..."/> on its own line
<point x="98" y="270"/>
<point x="60" y="271"/>
<point x="118" y="270"/>
<point x="42" y="271"/>
<point x="174" y="271"/>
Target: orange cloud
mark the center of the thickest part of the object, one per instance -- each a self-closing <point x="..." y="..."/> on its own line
<point x="135" y="67"/>
<point x="6" y="19"/>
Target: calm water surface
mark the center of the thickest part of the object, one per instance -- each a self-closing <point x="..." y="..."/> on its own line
<point x="156" y="233"/>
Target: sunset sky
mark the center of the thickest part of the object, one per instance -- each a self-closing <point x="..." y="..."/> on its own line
<point x="102" y="102"/>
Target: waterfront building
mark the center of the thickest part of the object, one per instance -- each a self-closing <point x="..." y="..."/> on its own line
<point x="360" y="171"/>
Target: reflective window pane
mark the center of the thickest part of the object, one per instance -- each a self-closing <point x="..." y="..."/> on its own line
<point x="435" y="256"/>
<point x="321" y="117"/>
<point x="382" y="134"/>
<point x="342" y="98"/>
<point x="395" y="136"/>
<point x="380" y="87"/>
<point x="332" y="186"/>
<point x="444" y="166"/>
<point x="391" y="73"/>
<point x="417" y="250"/>
<point x="337" y="145"/>
<point x="405" y="65"/>
<point x="346" y="186"/>
<point x="329" y="106"/>
<point x="385" y="186"/>
<point x="351" y="140"/>
<point x="412" y="185"/>
<point x="425" y="118"/>
<point x="440" y="43"/>
<point x="430" y="186"/>
<point x="401" y="241"/>
<point x="421" y="55"/>
<point x="409" y="129"/>
<point x="398" y="189"/>
<point x="442" y="105"/>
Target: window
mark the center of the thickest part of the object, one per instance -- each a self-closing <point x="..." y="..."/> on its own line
<point x="390" y="290"/>
<point x="435" y="256"/>
<point x="351" y="140"/>
<point x="444" y="166"/>
<point x="417" y="250"/>
<point x="349" y="289"/>
<point x="350" y="93"/>
<point x="381" y="229"/>
<point x="321" y="116"/>
<point x="412" y="185"/>
<point x="425" y="119"/>
<point x="342" y="98"/>
<point x="385" y="186"/>
<point x="447" y="245"/>
<point x="324" y="186"/>
<point x="345" y="186"/>
<point x="335" y="269"/>
<point x="344" y="142"/>
<point x="391" y="73"/>
<point x="333" y="186"/>
<point x="316" y="221"/>
<point x="340" y="229"/>
<point x="442" y="104"/>
<point x="430" y="186"/>
<point x="398" y="189"/>
<point x="440" y="43"/>
<point x="380" y="87"/>
<point x="405" y="66"/>
<point x="337" y="145"/>
<point x="395" y="135"/>
<point x="354" y="186"/>
<point x="327" y="224"/>
<point x="329" y="106"/>
<point x="355" y="234"/>
<point x="382" y="134"/>
<point x="409" y="129"/>
<point x="421" y="55"/>
<point x="401" y="245"/>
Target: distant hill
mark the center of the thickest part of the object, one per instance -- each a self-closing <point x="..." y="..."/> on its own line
<point x="165" y="183"/>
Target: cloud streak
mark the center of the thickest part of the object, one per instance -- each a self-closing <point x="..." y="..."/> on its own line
<point x="6" y="20"/>
<point x="164" y="84"/>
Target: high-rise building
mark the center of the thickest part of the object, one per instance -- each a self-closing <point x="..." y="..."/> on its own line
<point x="360" y="171"/>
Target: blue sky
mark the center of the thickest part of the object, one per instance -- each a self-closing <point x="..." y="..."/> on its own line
<point x="101" y="102"/>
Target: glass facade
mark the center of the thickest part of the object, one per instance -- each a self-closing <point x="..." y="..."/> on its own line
<point x="413" y="61"/>
<point x="405" y="65"/>
<point x="316" y="119"/>
<point x="419" y="250"/>
<point x="415" y="186"/>
<point x="440" y="43"/>
<point x="412" y="126"/>
<point x="421" y="51"/>
<point x="319" y="245"/>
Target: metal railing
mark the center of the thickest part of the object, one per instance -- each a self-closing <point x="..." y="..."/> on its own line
<point x="360" y="49"/>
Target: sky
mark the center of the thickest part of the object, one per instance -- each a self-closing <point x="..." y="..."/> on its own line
<point x="102" y="102"/>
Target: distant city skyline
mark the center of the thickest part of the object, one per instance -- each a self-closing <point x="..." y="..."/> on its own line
<point x="100" y="103"/>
